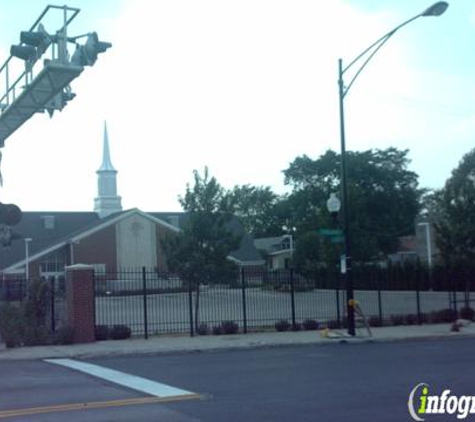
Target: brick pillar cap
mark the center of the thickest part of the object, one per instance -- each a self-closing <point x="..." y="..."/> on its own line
<point x="80" y="267"/>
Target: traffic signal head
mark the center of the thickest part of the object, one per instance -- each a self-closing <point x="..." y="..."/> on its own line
<point x="33" y="45"/>
<point x="10" y="214"/>
<point x="86" y="55"/>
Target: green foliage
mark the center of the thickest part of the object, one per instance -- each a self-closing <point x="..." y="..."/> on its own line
<point x="37" y="303"/>
<point x="203" y="329"/>
<point x="101" y="332"/>
<point x="383" y="197"/>
<point x="26" y="324"/>
<point x="36" y="335"/>
<point x="12" y="325"/>
<point x="230" y="327"/>
<point x="257" y="209"/>
<point x="282" y="325"/>
<point x="199" y="253"/>
<point x="453" y="211"/>
<point x="120" y="332"/>
<point x="443" y="316"/>
<point x="467" y="313"/>
<point x="217" y="330"/>
<point x="397" y="319"/>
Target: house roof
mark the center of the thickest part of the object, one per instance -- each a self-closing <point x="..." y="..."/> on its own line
<point x="50" y="230"/>
<point x="246" y="252"/>
<point x="269" y="244"/>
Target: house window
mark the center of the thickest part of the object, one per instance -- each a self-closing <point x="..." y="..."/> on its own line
<point x="51" y="267"/>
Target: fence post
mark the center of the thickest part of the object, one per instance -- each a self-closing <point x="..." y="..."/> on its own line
<point x="380" y="301"/>
<point x="418" y="296"/>
<point x="338" y="309"/>
<point x="145" y="308"/>
<point x="244" y="307"/>
<point x="292" y="296"/>
<point x="190" y="307"/>
<point x="52" y="305"/>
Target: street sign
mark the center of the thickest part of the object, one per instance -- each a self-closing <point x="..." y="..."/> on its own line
<point x="337" y="239"/>
<point x="330" y="232"/>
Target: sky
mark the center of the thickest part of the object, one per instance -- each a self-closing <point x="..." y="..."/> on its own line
<point x="243" y="87"/>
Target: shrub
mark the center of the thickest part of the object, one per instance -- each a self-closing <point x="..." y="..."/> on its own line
<point x="467" y="313"/>
<point x="203" y="329"/>
<point x="397" y="319"/>
<point x="310" y="324"/>
<point x="375" y="321"/>
<point x="296" y="327"/>
<point x="282" y="325"/>
<point x="35" y="335"/>
<point x="65" y="335"/>
<point x="12" y="325"/>
<point x="444" y="315"/>
<point x="37" y="303"/>
<point x="102" y="332"/>
<point x="217" y="330"/>
<point x="410" y="319"/>
<point x="120" y="332"/>
<point x="229" y="327"/>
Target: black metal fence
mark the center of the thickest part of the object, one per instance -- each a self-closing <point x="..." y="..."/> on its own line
<point x="157" y="303"/>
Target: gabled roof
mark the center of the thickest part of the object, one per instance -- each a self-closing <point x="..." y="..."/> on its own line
<point x="246" y="253"/>
<point x="269" y="244"/>
<point x="65" y="227"/>
<point x="68" y="227"/>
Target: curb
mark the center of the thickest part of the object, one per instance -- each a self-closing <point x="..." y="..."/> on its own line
<point x="58" y="352"/>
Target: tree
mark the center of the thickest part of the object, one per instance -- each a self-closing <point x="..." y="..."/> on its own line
<point x="199" y="253"/>
<point x="256" y="207"/>
<point x="384" y="198"/>
<point x="454" y="214"/>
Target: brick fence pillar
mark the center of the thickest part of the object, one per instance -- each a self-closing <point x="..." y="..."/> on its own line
<point x="80" y="302"/>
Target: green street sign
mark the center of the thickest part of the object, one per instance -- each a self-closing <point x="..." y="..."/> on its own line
<point x="337" y="239"/>
<point x="330" y="232"/>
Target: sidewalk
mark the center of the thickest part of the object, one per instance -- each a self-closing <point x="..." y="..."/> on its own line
<point x="162" y="344"/>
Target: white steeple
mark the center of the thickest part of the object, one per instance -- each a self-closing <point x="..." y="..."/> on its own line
<point x="107" y="201"/>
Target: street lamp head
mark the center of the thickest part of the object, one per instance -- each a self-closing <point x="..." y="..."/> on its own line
<point x="333" y="204"/>
<point x="436" y="9"/>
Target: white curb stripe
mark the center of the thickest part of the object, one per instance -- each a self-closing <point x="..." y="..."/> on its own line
<point x="130" y="381"/>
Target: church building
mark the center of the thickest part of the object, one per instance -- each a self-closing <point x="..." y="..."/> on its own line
<point x="108" y="238"/>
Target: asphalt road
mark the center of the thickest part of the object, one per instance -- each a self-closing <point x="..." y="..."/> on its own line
<point x="339" y="382"/>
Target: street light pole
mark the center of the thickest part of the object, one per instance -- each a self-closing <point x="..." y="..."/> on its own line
<point x="27" y="258"/>
<point x="435" y="10"/>
<point x="428" y="242"/>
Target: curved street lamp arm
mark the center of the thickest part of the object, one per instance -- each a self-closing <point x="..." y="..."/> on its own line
<point x="375" y="47"/>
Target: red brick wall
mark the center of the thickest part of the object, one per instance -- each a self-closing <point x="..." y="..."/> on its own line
<point x="80" y="302"/>
<point x="98" y="248"/>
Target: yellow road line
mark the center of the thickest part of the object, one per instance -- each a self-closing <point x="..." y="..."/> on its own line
<point x="94" y="405"/>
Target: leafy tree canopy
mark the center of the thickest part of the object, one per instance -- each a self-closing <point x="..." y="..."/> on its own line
<point x="257" y="209"/>
<point x="454" y="214"/>
<point x="384" y="198"/>
<point x="199" y="253"/>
